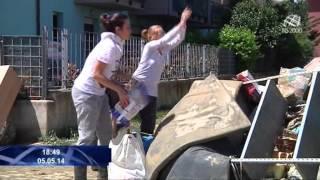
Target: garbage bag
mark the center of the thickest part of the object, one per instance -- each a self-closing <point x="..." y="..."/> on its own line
<point x="127" y="158"/>
<point x="200" y="163"/>
<point x="147" y="140"/>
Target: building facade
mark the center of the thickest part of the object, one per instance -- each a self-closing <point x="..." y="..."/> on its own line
<point x="27" y="17"/>
<point x="314" y="19"/>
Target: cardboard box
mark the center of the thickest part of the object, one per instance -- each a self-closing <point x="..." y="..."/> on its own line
<point x="9" y="88"/>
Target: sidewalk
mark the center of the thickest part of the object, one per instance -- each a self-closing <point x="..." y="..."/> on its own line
<point x="41" y="173"/>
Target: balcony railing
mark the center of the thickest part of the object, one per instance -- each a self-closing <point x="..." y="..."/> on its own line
<point x="199" y="7"/>
<point x="113" y="4"/>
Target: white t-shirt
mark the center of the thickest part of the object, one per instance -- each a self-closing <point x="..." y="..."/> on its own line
<point x="153" y="59"/>
<point x="109" y="50"/>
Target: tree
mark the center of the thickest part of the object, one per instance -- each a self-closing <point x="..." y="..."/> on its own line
<point x="295" y="49"/>
<point x="262" y="20"/>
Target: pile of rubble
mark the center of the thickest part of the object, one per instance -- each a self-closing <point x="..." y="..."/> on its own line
<point x="211" y="116"/>
<point x="284" y="145"/>
<point x="295" y="90"/>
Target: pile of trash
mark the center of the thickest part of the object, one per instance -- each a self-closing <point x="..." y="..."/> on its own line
<point x="203" y="132"/>
<point x="295" y="90"/>
<point x="285" y="144"/>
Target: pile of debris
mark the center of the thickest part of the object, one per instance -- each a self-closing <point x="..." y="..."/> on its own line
<point x="285" y="144"/>
<point x="294" y="89"/>
<point x="208" y="128"/>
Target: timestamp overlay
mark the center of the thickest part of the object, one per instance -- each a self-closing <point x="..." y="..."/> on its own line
<point x="55" y="155"/>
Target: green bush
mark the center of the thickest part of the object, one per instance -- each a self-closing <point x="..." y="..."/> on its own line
<point x="263" y="20"/>
<point x="242" y="41"/>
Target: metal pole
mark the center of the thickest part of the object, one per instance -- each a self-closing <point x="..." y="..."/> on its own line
<point x="280" y="76"/>
<point x="276" y="160"/>
<point x="217" y="61"/>
<point x="188" y="60"/>
<point x="1" y="51"/>
<point x="44" y="37"/>
<point x="64" y="63"/>
<point x="204" y="59"/>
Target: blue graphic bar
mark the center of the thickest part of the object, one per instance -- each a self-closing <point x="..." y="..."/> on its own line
<point x="55" y="155"/>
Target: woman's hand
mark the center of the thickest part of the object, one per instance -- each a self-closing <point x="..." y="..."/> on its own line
<point x="107" y="83"/>
<point x="186" y="14"/>
<point x="123" y="97"/>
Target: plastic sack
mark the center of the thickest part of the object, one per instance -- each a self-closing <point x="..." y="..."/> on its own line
<point x="138" y="99"/>
<point x="147" y="140"/>
<point x="252" y="89"/>
<point x="299" y="82"/>
<point x="127" y="158"/>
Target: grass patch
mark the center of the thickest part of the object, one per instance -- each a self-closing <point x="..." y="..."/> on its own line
<point x="135" y="122"/>
<point x="54" y="140"/>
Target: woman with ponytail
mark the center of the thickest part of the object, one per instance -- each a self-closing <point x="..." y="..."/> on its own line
<point x="152" y="64"/>
<point x="88" y="92"/>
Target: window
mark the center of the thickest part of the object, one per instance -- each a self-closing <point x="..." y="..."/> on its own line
<point x="90" y="36"/>
<point x="56" y="25"/>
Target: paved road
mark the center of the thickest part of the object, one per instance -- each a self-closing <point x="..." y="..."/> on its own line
<point x="40" y="173"/>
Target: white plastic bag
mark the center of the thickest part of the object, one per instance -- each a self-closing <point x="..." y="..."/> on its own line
<point x="127" y="158"/>
<point x="138" y="99"/>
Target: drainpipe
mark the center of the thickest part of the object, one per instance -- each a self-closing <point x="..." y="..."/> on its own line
<point x="37" y="2"/>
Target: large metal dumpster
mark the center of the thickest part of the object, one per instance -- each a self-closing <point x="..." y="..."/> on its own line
<point x="256" y="154"/>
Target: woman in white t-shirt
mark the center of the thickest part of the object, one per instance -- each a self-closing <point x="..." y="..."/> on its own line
<point x="88" y="92"/>
<point x="152" y="64"/>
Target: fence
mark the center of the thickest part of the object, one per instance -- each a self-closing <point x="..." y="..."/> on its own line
<point x="185" y="61"/>
<point x="55" y="58"/>
<point x="25" y="55"/>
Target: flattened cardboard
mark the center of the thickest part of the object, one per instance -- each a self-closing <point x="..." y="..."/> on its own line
<point x="9" y="88"/>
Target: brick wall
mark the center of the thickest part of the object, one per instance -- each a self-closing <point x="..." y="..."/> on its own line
<point x="314" y="19"/>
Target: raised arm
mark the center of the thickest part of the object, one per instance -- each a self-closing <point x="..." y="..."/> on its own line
<point x="175" y="36"/>
<point x="176" y="40"/>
